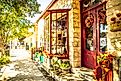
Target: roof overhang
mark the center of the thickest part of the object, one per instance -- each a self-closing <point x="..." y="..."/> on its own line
<point x="48" y="7"/>
<point x="53" y="11"/>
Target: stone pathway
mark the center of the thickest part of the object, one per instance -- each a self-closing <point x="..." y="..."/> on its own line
<point x="25" y="70"/>
<point x="22" y="68"/>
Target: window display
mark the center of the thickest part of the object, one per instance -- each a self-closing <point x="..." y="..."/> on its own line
<point x="59" y="34"/>
<point x="56" y="33"/>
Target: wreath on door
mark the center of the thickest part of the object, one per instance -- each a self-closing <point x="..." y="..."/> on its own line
<point x="89" y="21"/>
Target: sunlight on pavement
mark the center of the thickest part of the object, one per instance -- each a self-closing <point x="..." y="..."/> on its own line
<point x="19" y="54"/>
<point x="22" y="68"/>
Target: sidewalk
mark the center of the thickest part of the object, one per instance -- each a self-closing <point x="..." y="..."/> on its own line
<point x="81" y="74"/>
<point x="22" y="68"/>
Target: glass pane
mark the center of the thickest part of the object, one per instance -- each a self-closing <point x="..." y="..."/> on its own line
<point x="59" y="33"/>
<point x="53" y="41"/>
<point x="59" y="49"/>
<point x="89" y="38"/>
<point x="53" y="49"/>
<point x="103" y="37"/>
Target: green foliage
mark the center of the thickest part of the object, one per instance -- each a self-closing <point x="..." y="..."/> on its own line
<point x="13" y="18"/>
<point x="65" y="65"/>
<point x="59" y="63"/>
<point x="4" y="60"/>
<point x="102" y="57"/>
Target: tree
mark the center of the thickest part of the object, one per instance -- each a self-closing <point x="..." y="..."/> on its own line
<point x="13" y="19"/>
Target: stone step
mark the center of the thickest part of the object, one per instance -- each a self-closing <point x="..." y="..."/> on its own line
<point x="79" y="74"/>
<point x="86" y="73"/>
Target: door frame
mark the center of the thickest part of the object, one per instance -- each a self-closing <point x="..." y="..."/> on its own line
<point x="96" y="31"/>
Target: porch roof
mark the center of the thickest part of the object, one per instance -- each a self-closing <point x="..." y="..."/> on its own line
<point x="48" y="11"/>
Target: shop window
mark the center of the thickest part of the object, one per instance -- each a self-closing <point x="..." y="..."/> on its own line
<point x="56" y="33"/>
<point x="59" y="33"/>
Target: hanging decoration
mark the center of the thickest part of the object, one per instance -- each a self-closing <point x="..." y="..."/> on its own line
<point x="89" y="21"/>
<point x="86" y="3"/>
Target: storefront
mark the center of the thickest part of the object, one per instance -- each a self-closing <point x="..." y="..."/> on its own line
<point x="62" y="32"/>
<point x="78" y="31"/>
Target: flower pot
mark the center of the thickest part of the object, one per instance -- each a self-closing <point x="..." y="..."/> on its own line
<point x="66" y="70"/>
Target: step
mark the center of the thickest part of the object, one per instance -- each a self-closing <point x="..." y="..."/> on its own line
<point x="84" y="72"/>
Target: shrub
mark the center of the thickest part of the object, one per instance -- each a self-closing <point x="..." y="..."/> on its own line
<point x="4" y="60"/>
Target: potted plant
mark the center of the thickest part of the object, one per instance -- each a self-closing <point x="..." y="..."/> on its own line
<point x="65" y="66"/>
<point x="54" y="63"/>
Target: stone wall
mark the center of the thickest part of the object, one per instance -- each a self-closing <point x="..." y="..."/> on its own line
<point x="76" y="34"/>
<point x="114" y="38"/>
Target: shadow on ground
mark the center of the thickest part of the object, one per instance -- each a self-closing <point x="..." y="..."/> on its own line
<point x="46" y="75"/>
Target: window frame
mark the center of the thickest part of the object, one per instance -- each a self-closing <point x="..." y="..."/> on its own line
<point x="51" y="12"/>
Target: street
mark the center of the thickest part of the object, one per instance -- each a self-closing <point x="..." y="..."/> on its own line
<point x="23" y="68"/>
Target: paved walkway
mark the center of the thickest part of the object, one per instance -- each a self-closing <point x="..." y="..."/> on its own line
<point x="24" y="70"/>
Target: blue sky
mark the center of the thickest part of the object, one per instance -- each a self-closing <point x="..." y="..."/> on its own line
<point x="44" y="4"/>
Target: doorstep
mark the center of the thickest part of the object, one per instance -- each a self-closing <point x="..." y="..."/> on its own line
<point x="79" y="74"/>
<point x="63" y="76"/>
<point x="84" y="72"/>
<point x="66" y="77"/>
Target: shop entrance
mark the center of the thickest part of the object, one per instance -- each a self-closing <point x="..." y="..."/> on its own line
<point x="94" y="30"/>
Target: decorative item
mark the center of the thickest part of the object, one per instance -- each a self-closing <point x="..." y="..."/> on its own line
<point x="115" y="24"/>
<point x="89" y="21"/>
<point x="54" y="63"/>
